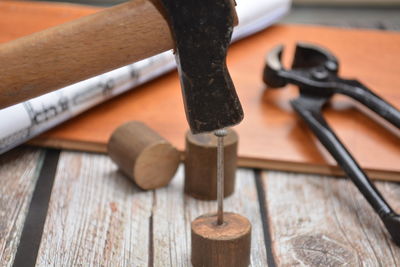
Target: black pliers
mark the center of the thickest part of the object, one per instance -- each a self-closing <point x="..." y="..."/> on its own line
<point x="315" y="72"/>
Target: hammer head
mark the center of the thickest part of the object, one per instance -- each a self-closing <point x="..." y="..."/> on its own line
<point x="202" y="31"/>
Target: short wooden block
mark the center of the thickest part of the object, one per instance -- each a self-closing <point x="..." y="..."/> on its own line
<point x="201" y="164"/>
<point x="226" y="245"/>
<point x="147" y="158"/>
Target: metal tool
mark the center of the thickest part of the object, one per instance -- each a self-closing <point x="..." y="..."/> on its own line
<point x="220" y="134"/>
<point x="199" y="31"/>
<point x="315" y="72"/>
<point x="222" y="239"/>
<point x="210" y="98"/>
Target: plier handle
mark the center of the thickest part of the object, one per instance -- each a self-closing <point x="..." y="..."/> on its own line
<point x="315" y="72"/>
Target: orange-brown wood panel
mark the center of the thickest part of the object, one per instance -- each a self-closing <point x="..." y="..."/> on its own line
<point x="271" y="135"/>
<point x="22" y="18"/>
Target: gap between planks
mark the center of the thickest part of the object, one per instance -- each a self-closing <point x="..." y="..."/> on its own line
<point x="33" y="227"/>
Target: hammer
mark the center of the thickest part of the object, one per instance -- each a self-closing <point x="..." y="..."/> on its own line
<point x="198" y="31"/>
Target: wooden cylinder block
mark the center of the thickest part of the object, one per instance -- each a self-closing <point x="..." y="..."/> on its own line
<point x="226" y="245"/>
<point x="201" y="164"/>
<point x="147" y="158"/>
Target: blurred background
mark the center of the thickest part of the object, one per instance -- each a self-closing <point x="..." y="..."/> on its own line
<point x="375" y="14"/>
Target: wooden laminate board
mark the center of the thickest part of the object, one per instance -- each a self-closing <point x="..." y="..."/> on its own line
<point x="19" y="18"/>
<point x="322" y="221"/>
<point x="19" y="170"/>
<point x="271" y="135"/>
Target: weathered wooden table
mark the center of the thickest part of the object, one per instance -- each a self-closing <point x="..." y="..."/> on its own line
<point x="63" y="208"/>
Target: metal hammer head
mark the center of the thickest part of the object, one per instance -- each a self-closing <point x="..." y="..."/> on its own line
<point x="309" y="60"/>
<point x="202" y="31"/>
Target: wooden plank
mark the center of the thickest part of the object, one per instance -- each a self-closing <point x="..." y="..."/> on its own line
<point x="326" y="222"/>
<point x="173" y="213"/>
<point x="19" y="170"/>
<point x="96" y="216"/>
<point x="271" y="134"/>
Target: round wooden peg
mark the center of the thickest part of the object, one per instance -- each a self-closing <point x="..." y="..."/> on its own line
<point x="201" y="164"/>
<point x="144" y="156"/>
<point x="225" y="245"/>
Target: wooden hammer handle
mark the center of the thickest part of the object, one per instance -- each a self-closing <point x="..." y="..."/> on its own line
<point x="45" y="61"/>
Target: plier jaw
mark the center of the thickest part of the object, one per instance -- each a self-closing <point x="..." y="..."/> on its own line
<point x="315" y="72"/>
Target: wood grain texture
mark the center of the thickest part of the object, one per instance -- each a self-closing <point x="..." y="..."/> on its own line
<point x="143" y="155"/>
<point x="322" y="221"/>
<point x="224" y="245"/>
<point x="271" y="135"/>
<point x="19" y="170"/>
<point x="173" y="213"/>
<point x="59" y="56"/>
<point x="96" y="216"/>
<point x="201" y="151"/>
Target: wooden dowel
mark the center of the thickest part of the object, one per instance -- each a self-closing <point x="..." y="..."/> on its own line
<point x="201" y="164"/>
<point x="143" y="155"/>
<point x="45" y="61"/>
<point x="223" y="245"/>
